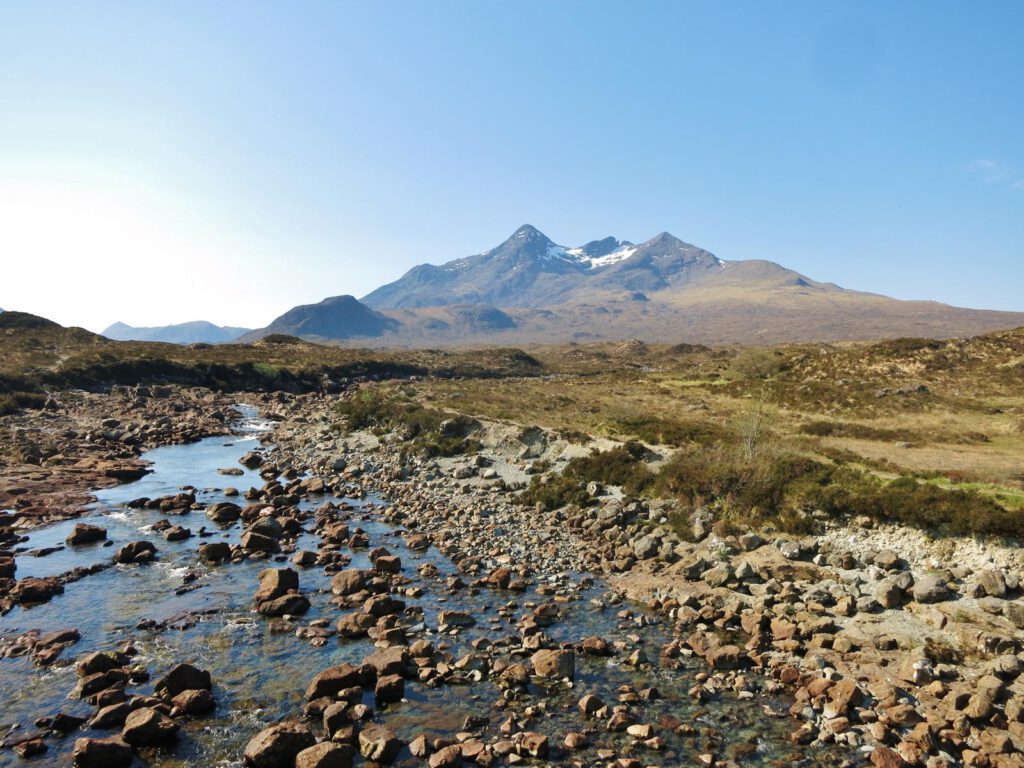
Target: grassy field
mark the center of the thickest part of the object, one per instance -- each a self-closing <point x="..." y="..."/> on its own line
<point x="767" y="432"/>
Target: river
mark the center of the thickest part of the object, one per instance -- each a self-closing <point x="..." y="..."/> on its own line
<point x="260" y="672"/>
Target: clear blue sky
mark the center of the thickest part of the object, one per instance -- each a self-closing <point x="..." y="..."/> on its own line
<point x="166" y="161"/>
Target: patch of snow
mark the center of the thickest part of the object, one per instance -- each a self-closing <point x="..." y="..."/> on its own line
<point x="619" y="254"/>
<point x="560" y="253"/>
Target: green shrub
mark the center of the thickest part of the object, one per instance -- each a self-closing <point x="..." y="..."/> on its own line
<point x="908" y="501"/>
<point x="623" y="466"/>
<point x="380" y="411"/>
<point x="554" y="492"/>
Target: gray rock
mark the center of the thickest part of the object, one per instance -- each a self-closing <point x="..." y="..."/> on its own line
<point x="992" y="582"/>
<point x="888" y="594"/>
<point x="931" y="589"/>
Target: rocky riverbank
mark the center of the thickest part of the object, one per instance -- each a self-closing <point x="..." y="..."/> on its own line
<point x="51" y="459"/>
<point x="886" y="647"/>
<point x="904" y="648"/>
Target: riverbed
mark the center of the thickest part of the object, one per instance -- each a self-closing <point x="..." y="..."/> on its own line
<point x="260" y="668"/>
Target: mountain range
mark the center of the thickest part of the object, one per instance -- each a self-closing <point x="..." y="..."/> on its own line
<point x="180" y="333"/>
<point x="530" y="289"/>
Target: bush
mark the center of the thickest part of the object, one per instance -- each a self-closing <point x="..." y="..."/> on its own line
<point x="15" y="401"/>
<point x="622" y="466"/>
<point x="910" y="502"/>
<point x="780" y="488"/>
<point x="661" y="431"/>
<point x="376" y="409"/>
<point x="856" y="431"/>
<point x="755" y="364"/>
<point x="554" y="492"/>
<point x="756" y="486"/>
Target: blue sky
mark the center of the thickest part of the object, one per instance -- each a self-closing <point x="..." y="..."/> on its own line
<point x="162" y="162"/>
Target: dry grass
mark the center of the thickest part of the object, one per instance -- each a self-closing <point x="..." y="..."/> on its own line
<point x="959" y="403"/>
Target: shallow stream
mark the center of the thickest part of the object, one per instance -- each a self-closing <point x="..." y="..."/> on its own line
<point x="260" y="674"/>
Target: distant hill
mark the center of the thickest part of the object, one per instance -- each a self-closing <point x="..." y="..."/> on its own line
<point x="180" y="333"/>
<point x="337" y="317"/>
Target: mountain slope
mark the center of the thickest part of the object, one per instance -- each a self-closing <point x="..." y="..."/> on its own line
<point x="337" y="317"/>
<point x="179" y="333"/>
<point x="530" y="270"/>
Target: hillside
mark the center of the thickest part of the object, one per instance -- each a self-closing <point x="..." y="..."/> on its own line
<point x="337" y="318"/>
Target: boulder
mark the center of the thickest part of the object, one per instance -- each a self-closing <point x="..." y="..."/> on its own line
<point x="390" y="689"/>
<point x="114" y="752"/>
<point x="224" y="512"/>
<point x="356" y="624"/>
<point x="257" y="542"/>
<point x="252" y="459"/>
<point x="326" y="755"/>
<point x="215" y="552"/>
<point x="100" y="661"/>
<point x="136" y="552"/>
<point x="84" y="533"/>
<point x="177" y="533"/>
<point x="36" y="590"/>
<point x="532" y="744"/>
<point x="888" y="594"/>
<point x="554" y="663"/>
<point x="348" y="582"/>
<point x="590" y="705"/>
<point x="646" y="547"/>
<point x="388" y="564"/>
<point x="194" y="702"/>
<point x="275" y="582"/>
<point x="183" y="677"/>
<point x="378" y="743"/>
<point x="1014" y="611"/>
<point x="596" y="646"/>
<point x="930" y="589"/>
<point x="286" y="605"/>
<point x="446" y="757"/>
<point x="278" y="746"/>
<point x="455" y="619"/>
<point x="992" y="582"/>
<point x="724" y="657"/>
<point x="148" y="726"/>
<point x="388" y="661"/>
<point x="110" y="716"/>
<point x="333" y="680"/>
